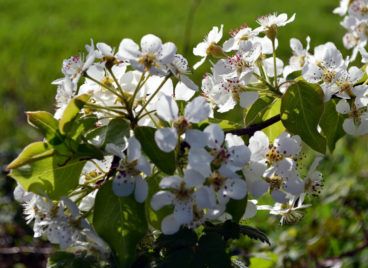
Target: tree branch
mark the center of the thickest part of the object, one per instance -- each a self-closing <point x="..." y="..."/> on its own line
<point x="255" y="127"/>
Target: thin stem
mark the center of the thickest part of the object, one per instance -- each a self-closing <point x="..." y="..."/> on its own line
<point x="274" y="62"/>
<point x="104" y="86"/>
<point x="153" y="95"/>
<point x="255" y="127"/>
<point x="111" y="109"/>
<point x="138" y="87"/>
<point x="128" y="107"/>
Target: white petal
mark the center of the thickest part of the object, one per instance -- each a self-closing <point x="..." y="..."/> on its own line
<point x="248" y="98"/>
<point x="200" y="50"/>
<point x="183" y="212"/>
<point x="134" y="149"/>
<point x="167" y="108"/>
<point x="196" y="138"/>
<point x="128" y="49"/>
<point x="171" y="182"/>
<point x="197" y="110"/>
<point x="123" y="185"/>
<point x="257" y="187"/>
<point x="215" y="34"/>
<point x="279" y="196"/>
<point x="294" y="186"/>
<point x="239" y="155"/>
<point x="204" y="198"/>
<point x="215" y="135"/>
<point x="343" y="107"/>
<point x="141" y="189"/>
<point x="105" y="49"/>
<point x="161" y="199"/>
<point x="167" y="53"/>
<point x="250" y="210"/>
<point x="150" y="43"/>
<point x="199" y="63"/>
<point x="258" y="145"/>
<point x="169" y="225"/>
<point x="193" y="178"/>
<point x="287" y="145"/>
<point x="236" y="188"/>
<point x="144" y="166"/>
<point x="166" y="139"/>
<point x="200" y="160"/>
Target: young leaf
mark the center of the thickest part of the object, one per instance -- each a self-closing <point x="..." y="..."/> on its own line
<point x="32" y="152"/>
<point x="164" y="161"/>
<point x="117" y="132"/>
<point x="331" y="124"/>
<point x="47" y="125"/>
<point x="71" y="112"/>
<point x="121" y="222"/>
<point x="301" y="110"/>
<point x="53" y="175"/>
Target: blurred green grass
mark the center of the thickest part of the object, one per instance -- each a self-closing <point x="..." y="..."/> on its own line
<point x="37" y="35"/>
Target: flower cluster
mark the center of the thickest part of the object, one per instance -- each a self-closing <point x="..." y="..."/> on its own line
<point x="163" y="142"/>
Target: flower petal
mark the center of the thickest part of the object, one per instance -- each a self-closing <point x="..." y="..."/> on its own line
<point x="141" y="189"/>
<point x="167" y="108"/>
<point x="161" y="199"/>
<point x="166" y="139"/>
<point x="197" y="110"/>
<point x="123" y="185"/>
<point x="169" y="225"/>
<point x="151" y="43"/>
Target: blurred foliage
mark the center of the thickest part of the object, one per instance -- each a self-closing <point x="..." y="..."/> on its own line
<point x="37" y="35"/>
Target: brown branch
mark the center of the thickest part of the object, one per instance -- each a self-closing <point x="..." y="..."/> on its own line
<point x="255" y="127"/>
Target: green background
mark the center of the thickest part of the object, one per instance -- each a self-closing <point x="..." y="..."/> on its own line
<point x="36" y="35"/>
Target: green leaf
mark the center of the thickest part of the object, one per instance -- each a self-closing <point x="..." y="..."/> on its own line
<point x="223" y="123"/>
<point x="155" y="217"/>
<point x="236" y="208"/>
<point x="331" y="124"/>
<point x="81" y="125"/>
<point x="71" y="112"/>
<point x="183" y="238"/>
<point x="254" y="233"/>
<point x="212" y="251"/>
<point x="47" y="125"/>
<point x="117" y="131"/>
<point x="53" y="175"/>
<point x="164" y="161"/>
<point x="257" y="110"/>
<point x="275" y="129"/>
<point x="121" y="222"/>
<point x="265" y="108"/>
<point x="32" y="152"/>
<point x="301" y="110"/>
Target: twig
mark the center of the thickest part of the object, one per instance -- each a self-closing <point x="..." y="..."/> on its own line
<point x="255" y="127"/>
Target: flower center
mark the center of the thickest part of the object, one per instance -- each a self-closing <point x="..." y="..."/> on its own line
<point x="273" y="155"/>
<point x="220" y="156"/>
<point x="328" y="76"/>
<point x="275" y="182"/>
<point x="216" y="180"/>
<point x="183" y="193"/>
<point x="182" y="124"/>
<point x="148" y="60"/>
